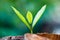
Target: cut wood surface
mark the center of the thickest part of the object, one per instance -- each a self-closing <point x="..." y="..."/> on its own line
<point x="46" y="35"/>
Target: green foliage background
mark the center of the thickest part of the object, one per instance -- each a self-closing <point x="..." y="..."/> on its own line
<point x="11" y="25"/>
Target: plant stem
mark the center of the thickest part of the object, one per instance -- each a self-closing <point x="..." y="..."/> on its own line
<point x="31" y="31"/>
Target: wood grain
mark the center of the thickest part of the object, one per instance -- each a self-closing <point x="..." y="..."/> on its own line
<point x="50" y="36"/>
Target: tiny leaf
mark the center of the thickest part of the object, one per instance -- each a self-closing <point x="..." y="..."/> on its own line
<point x="29" y="17"/>
<point x="38" y="15"/>
<point x="20" y="16"/>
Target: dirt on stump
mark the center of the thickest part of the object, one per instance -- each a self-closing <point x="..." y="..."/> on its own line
<point x="50" y="36"/>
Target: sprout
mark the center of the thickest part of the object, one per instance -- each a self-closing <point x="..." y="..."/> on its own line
<point x="38" y="15"/>
<point x="29" y="17"/>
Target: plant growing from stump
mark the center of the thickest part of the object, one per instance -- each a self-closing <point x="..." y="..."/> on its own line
<point x="29" y="17"/>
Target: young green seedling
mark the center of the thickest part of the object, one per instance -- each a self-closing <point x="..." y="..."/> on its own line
<point x="29" y="17"/>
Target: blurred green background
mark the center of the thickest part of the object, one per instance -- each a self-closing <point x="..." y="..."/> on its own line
<point x="11" y="25"/>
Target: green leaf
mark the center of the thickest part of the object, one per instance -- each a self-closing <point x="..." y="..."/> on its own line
<point x="29" y="17"/>
<point x="21" y="17"/>
<point x="38" y="15"/>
